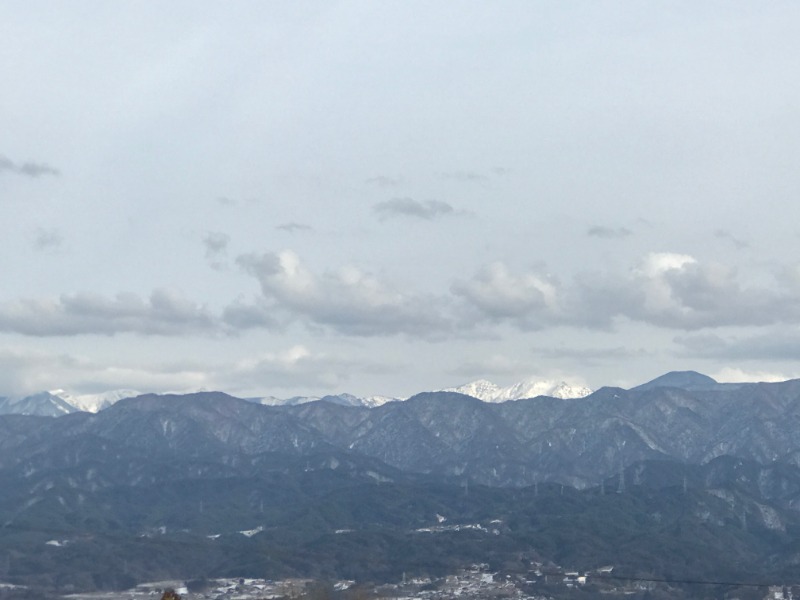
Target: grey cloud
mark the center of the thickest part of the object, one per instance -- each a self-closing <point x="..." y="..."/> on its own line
<point x="465" y="176"/>
<point x="347" y="301"/>
<point x="292" y="227"/>
<point x="530" y="300"/>
<point x="590" y="355"/>
<point x="676" y="292"/>
<point x="257" y="315"/>
<point x="383" y="181"/>
<point x="408" y="207"/>
<point x="726" y="235"/>
<point x="711" y="296"/>
<point x="777" y="345"/>
<point x="492" y="365"/>
<point x="216" y="244"/>
<point x="667" y="290"/>
<point x="294" y="367"/>
<point x="227" y="201"/>
<point x="47" y="239"/>
<point x="24" y="372"/>
<point x="597" y="299"/>
<point x="609" y="233"/>
<point x="164" y="313"/>
<point x="28" y="169"/>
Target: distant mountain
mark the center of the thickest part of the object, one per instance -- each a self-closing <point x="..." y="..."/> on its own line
<point x="686" y="380"/>
<point x="531" y="388"/>
<point x="446" y="434"/>
<point x="342" y="399"/>
<point x="701" y="485"/>
<point x="60" y="402"/>
<point x="43" y="404"/>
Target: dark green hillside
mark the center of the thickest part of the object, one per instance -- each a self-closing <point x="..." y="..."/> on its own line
<point x="341" y="522"/>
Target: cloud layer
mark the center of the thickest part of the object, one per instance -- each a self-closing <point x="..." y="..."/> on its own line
<point x="672" y="291"/>
<point x="348" y="301"/>
<point x="164" y="313"/>
<point x="668" y="290"/>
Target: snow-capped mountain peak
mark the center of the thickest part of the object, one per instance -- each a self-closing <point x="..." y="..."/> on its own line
<point x="482" y="389"/>
<point x="44" y="404"/>
<point x="94" y="402"/>
<point x="344" y="399"/>
<point x="529" y="388"/>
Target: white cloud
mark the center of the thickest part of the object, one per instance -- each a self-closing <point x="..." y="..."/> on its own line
<point x="164" y="313"/>
<point x="27" y="371"/>
<point x="651" y="275"/>
<point x="294" y="367"/>
<point x="529" y="299"/>
<point x="669" y="290"/>
<point x="736" y="375"/>
<point x="347" y="301"/>
<point x="679" y="292"/>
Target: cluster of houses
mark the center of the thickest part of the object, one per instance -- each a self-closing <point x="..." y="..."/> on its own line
<point x="477" y="581"/>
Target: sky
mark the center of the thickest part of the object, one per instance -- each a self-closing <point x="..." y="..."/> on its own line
<point x="302" y="198"/>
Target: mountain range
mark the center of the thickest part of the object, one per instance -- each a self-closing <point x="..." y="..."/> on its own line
<point x="59" y="402"/>
<point x="530" y="388"/>
<point x="681" y="477"/>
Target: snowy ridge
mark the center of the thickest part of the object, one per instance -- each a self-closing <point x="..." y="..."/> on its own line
<point x="43" y="404"/>
<point x="59" y="402"/>
<point x="529" y="388"/>
<point x="273" y="401"/>
<point x="343" y="399"/>
<point x="94" y="403"/>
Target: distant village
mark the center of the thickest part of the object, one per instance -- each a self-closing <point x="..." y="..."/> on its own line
<point x="542" y="582"/>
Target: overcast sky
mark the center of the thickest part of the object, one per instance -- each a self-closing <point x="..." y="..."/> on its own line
<point x="387" y="197"/>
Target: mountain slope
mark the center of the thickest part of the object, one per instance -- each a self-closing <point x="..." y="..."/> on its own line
<point x="43" y="404"/>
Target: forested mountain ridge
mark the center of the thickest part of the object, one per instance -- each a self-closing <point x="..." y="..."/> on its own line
<point x="574" y="441"/>
<point x="209" y="484"/>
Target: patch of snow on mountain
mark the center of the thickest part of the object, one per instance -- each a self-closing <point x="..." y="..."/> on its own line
<point x="530" y="388"/>
<point x="94" y="403"/>
<point x="343" y="399"/>
<point x="373" y="401"/>
<point x="42" y="404"/>
<point x="273" y="401"/>
<point x="481" y="389"/>
<point x="251" y="532"/>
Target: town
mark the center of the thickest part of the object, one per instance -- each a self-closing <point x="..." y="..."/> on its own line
<point x="541" y="582"/>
